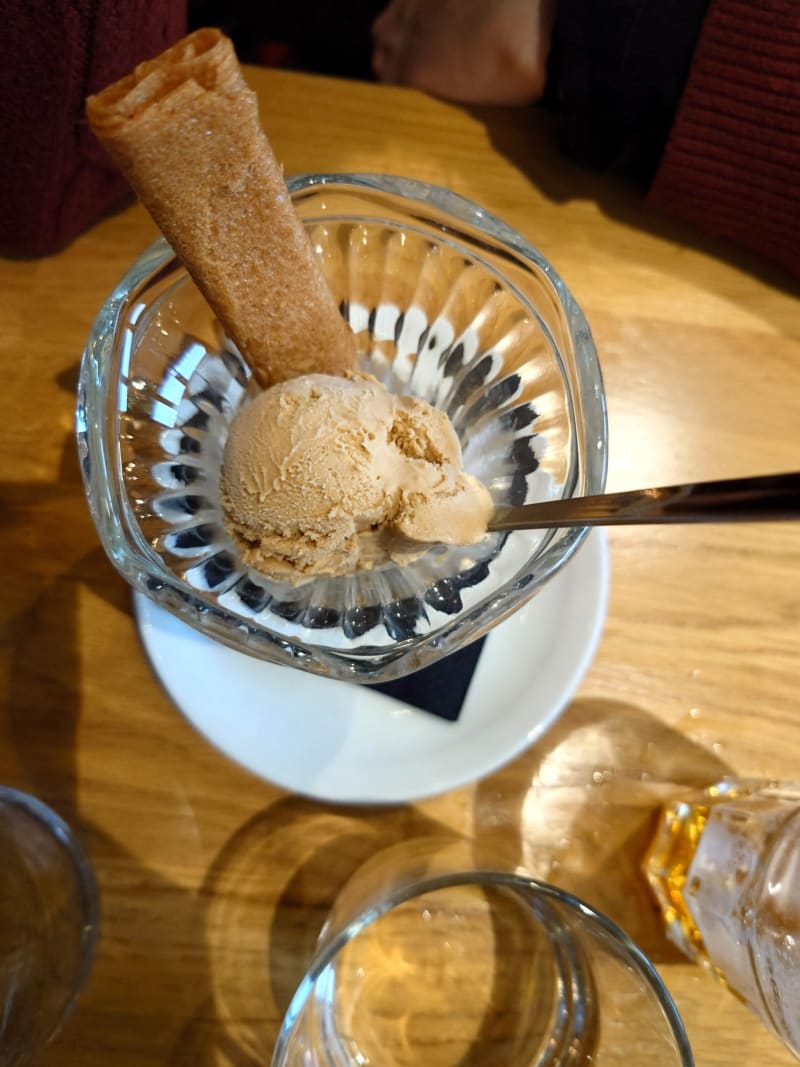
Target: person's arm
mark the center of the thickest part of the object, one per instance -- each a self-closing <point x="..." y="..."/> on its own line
<point x="470" y="51"/>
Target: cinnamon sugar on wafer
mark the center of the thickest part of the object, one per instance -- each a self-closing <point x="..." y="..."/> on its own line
<point x="184" y="130"/>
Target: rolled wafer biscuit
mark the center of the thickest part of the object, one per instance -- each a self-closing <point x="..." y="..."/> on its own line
<point x="184" y="130"/>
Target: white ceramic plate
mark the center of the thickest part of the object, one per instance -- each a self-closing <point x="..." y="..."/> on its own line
<point x="346" y="743"/>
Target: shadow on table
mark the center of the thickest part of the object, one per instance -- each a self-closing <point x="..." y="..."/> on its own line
<point x="530" y="143"/>
<point x="579" y="809"/>
<point x="47" y="529"/>
<point x="269" y="892"/>
<point x="139" y="988"/>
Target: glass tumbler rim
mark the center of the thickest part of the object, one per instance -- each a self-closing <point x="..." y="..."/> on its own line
<point x="86" y="882"/>
<point x="329" y="947"/>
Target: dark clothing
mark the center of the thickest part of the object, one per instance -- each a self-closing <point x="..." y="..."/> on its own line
<point x="617" y="70"/>
<point x="699" y="100"/>
<point x="324" y="36"/>
<point x="55" y="180"/>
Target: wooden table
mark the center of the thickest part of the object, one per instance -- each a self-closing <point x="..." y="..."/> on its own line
<point x="214" y="883"/>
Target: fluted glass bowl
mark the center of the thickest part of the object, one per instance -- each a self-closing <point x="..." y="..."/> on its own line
<point x="447" y="303"/>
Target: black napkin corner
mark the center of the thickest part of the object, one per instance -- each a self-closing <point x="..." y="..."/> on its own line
<point x="440" y="689"/>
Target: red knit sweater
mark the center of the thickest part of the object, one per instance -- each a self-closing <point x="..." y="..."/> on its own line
<point x="55" y="180"/>
<point x="731" y="165"/>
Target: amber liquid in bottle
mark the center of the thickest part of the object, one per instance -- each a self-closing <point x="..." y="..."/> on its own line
<point x="724" y="866"/>
<point x="667" y="866"/>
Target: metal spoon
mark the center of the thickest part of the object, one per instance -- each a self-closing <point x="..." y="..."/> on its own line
<point x="764" y="499"/>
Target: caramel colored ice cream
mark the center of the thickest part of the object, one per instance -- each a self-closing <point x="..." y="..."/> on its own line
<point x="326" y="475"/>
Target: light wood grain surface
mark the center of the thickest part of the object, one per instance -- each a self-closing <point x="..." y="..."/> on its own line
<point x="214" y="883"/>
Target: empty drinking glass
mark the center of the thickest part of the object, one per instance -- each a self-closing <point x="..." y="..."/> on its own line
<point x="48" y="924"/>
<point x="429" y="958"/>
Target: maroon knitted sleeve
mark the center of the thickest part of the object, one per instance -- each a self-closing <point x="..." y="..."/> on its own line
<point x="731" y="164"/>
<point x="55" y="179"/>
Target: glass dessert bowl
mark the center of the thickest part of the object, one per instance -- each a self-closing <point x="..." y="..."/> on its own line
<point x="447" y="303"/>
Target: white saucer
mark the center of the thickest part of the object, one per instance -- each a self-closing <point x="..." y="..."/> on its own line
<point x="346" y="743"/>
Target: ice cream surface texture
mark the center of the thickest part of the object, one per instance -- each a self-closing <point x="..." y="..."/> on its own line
<point x="328" y="475"/>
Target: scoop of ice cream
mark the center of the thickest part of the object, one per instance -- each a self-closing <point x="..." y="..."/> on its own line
<point x="323" y="475"/>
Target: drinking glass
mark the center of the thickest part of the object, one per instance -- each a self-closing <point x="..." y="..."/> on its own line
<point x="427" y="957"/>
<point x="49" y="919"/>
<point x="725" y="869"/>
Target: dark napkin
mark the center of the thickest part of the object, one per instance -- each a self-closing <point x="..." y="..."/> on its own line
<point x="440" y="689"/>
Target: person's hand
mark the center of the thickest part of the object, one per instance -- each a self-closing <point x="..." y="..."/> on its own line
<point x="470" y="51"/>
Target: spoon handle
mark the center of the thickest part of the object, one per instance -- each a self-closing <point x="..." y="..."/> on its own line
<point x="762" y="499"/>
